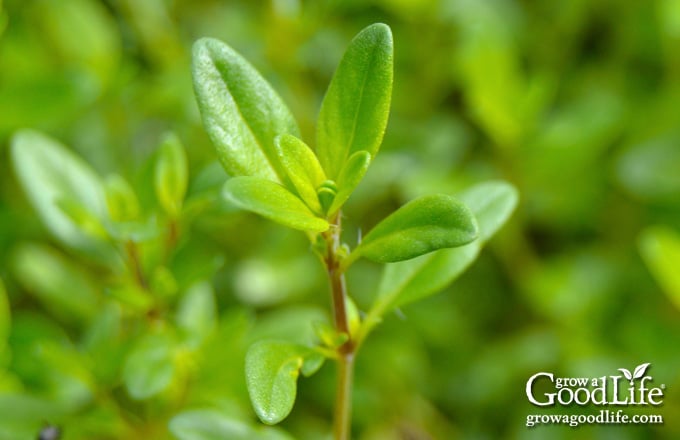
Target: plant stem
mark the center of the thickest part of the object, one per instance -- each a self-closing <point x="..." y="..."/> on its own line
<point x="343" y="398"/>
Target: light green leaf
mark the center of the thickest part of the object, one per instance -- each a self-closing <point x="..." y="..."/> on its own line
<point x="423" y="225"/>
<point x="120" y="199"/>
<point x="209" y="424"/>
<point x="171" y="175"/>
<point x="59" y="284"/>
<point x="241" y="112"/>
<point x="272" y="369"/>
<point x="355" y="110"/>
<point x="48" y="173"/>
<point x="492" y="203"/>
<point x="196" y="313"/>
<point x="272" y="201"/>
<point x="408" y="281"/>
<point x="350" y="176"/>
<point x="150" y="368"/>
<point x="302" y="167"/>
<point x="660" y="248"/>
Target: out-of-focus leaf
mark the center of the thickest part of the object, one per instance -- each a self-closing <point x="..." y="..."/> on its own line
<point x="241" y="112"/>
<point x="58" y="283"/>
<point x="408" y="281"/>
<point x="5" y="322"/>
<point x="150" y="367"/>
<point x="650" y="170"/>
<point x="272" y="369"/>
<point x="272" y="201"/>
<point x="421" y="226"/>
<point x="209" y="424"/>
<point x="196" y="314"/>
<point x="660" y="248"/>
<point x="350" y="176"/>
<point x="355" y="110"/>
<point x="49" y="172"/>
<point x="293" y="324"/>
<point x="302" y="167"/>
<point x="171" y="175"/>
<point x="120" y="199"/>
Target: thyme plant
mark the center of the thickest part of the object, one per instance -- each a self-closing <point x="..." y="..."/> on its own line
<point x="425" y="244"/>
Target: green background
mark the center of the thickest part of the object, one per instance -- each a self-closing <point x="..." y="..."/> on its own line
<point x="574" y="102"/>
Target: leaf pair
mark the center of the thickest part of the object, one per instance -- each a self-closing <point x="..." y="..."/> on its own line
<point x="275" y="174"/>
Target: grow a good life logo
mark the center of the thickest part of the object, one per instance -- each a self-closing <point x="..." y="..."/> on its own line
<point x="629" y="389"/>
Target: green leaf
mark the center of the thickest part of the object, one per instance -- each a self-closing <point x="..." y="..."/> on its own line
<point x="5" y="322"/>
<point x="59" y="284"/>
<point x="423" y="225"/>
<point x="350" y="176"/>
<point x="354" y="112"/>
<point x="272" y="369"/>
<point x="492" y="203"/>
<point x="660" y="248"/>
<point x="196" y="313"/>
<point x="241" y="112"/>
<point x="49" y="173"/>
<point x="272" y="201"/>
<point x="150" y="368"/>
<point x="302" y="168"/>
<point x="408" y="281"/>
<point x="209" y="424"/>
<point x="121" y="199"/>
<point x="171" y="175"/>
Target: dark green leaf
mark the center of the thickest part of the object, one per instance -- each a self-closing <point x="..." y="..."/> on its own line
<point x="423" y="225"/>
<point x="272" y="369"/>
<point x="241" y="112"/>
<point x="354" y="112"/>
<point x="272" y="201"/>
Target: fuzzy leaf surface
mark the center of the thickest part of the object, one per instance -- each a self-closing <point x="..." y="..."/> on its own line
<point x="272" y="201"/>
<point x="355" y="110"/>
<point x="272" y="369"/>
<point x="421" y="226"/>
<point x="241" y="112"/>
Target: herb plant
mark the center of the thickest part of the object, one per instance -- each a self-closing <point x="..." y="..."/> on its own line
<point x="425" y="244"/>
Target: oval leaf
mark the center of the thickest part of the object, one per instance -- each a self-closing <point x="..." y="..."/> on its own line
<point x="209" y="424"/>
<point x="149" y="368"/>
<point x="241" y="112"/>
<point x="272" y="201"/>
<point x="171" y="175"/>
<point x="492" y="204"/>
<point x="423" y="225"/>
<point x="49" y="173"/>
<point x="354" y="112"/>
<point x="302" y="168"/>
<point x="350" y="176"/>
<point x="272" y="369"/>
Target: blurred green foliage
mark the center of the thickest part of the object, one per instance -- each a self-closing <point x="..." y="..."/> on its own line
<point x="139" y="329"/>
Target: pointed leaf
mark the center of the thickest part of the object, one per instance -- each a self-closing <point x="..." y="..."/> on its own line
<point x="640" y="370"/>
<point x="48" y="173"/>
<point x="354" y="112"/>
<point x="411" y="280"/>
<point x="272" y="369"/>
<point x="171" y="175"/>
<point x="423" y="225"/>
<point x="350" y="176"/>
<point x="302" y="167"/>
<point x="241" y="112"/>
<point x="121" y="199"/>
<point x="272" y="201"/>
<point x="626" y="373"/>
